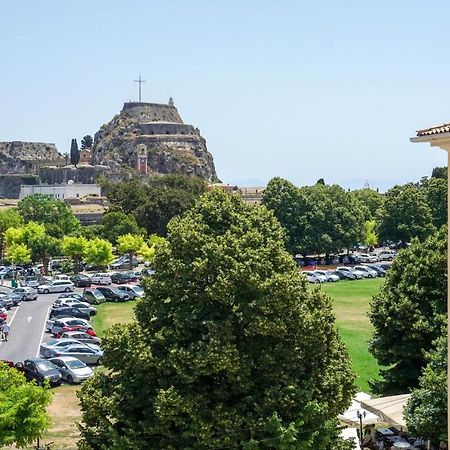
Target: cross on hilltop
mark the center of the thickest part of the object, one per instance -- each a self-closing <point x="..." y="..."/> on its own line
<point x="140" y="81"/>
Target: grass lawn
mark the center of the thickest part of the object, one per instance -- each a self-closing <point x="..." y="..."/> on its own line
<point x="111" y="313"/>
<point x="351" y="304"/>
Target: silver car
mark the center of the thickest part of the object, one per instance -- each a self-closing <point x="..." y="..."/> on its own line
<point x="72" y="369"/>
<point x="26" y="293"/>
<point x="53" y="346"/>
<point x="56" y="286"/>
<point x="82" y="352"/>
<point x="133" y="291"/>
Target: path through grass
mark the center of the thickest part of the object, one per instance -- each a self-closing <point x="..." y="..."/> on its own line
<point x="351" y="304"/>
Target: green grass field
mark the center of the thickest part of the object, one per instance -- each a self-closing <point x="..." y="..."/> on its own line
<point x="351" y="304"/>
<point x="111" y="313"/>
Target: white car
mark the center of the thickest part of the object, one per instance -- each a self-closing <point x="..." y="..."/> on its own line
<point x="369" y="273"/>
<point x="61" y="277"/>
<point x="101" y="278"/>
<point x="321" y="275"/>
<point x="56" y="286"/>
<point x="329" y="274"/>
<point x="68" y="301"/>
<point x="387" y="255"/>
<point x="312" y="277"/>
<point x="357" y="273"/>
<point x="367" y="258"/>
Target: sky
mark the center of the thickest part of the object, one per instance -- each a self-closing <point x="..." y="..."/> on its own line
<point x="297" y="89"/>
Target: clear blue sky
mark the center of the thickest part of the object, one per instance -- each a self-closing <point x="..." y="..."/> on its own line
<point x="297" y="89"/>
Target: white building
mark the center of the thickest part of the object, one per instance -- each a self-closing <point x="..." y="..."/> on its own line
<point x="60" y="191"/>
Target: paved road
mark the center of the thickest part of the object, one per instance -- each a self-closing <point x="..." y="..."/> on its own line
<point x="27" y="328"/>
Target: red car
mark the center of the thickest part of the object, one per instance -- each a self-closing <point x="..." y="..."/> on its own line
<point x="89" y="331"/>
<point x="3" y="315"/>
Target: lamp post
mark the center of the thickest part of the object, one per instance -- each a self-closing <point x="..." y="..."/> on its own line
<point x="360" y="417"/>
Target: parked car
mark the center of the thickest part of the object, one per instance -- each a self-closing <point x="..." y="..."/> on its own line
<point x="367" y="271"/>
<point x="84" y="306"/>
<point x="61" y="276"/>
<point x="31" y="281"/>
<point x="123" y="263"/>
<point x="67" y="328"/>
<point x="312" y="277"/>
<point x="101" y="278"/>
<point x="68" y="301"/>
<point x="69" y="311"/>
<point x="345" y="274"/>
<point x="113" y="294"/>
<point x="25" y="293"/>
<point x="56" y="286"/>
<point x="122" y="277"/>
<point x="70" y="295"/>
<point x="387" y="255"/>
<point x="133" y="291"/>
<point x="81" y="280"/>
<point x="147" y="272"/>
<point x="9" y="272"/>
<point x="50" y="348"/>
<point x="72" y="369"/>
<point x="384" y="266"/>
<point x="378" y="269"/>
<point x="80" y="336"/>
<point x="328" y="274"/>
<point x="357" y="274"/>
<point x="6" y="301"/>
<point x="94" y="297"/>
<point x="367" y="258"/>
<point x="82" y="352"/>
<point x="40" y="370"/>
<point x="55" y="326"/>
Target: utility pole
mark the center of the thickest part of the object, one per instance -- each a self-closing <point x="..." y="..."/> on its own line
<point x="140" y="81"/>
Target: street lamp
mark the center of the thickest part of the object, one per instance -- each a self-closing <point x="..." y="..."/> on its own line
<point x="360" y="417"/>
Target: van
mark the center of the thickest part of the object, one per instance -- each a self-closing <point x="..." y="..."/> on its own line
<point x="386" y="255"/>
<point x="56" y="286"/>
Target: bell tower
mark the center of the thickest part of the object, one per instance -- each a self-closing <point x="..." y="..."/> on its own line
<point x="142" y="159"/>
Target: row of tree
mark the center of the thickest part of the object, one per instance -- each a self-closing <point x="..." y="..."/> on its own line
<point x="322" y="219"/>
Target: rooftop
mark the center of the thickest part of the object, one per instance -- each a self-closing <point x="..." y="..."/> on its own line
<point x="439" y="129"/>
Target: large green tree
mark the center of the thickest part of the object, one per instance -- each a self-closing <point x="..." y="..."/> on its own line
<point x="405" y="214"/>
<point x="87" y="142"/>
<point x="23" y="416"/>
<point x="98" y="253"/>
<point x="8" y="218"/>
<point x="435" y="190"/>
<point x="156" y="202"/>
<point x="56" y="216"/>
<point x="409" y="312"/>
<point x="75" y="248"/>
<point x="230" y="348"/>
<point x="130" y="244"/>
<point x="318" y="218"/>
<point x="117" y="223"/>
<point x="426" y="412"/>
<point x="371" y="200"/>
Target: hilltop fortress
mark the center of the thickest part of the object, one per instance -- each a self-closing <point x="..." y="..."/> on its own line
<point x="152" y="138"/>
<point x="144" y="139"/>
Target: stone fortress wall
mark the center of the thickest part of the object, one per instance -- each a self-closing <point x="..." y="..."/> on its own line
<point x="152" y="112"/>
<point x="29" y="151"/>
<point x="168" y="128"/>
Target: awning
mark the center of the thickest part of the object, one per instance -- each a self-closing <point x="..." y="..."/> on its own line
<point x="390" y="409"/>
<point x="350" y="417"/>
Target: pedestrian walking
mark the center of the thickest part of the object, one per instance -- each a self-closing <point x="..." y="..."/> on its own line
<point x="5" y="330"/>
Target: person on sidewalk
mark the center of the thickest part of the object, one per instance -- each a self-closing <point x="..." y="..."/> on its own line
<point x="5" y="330"/>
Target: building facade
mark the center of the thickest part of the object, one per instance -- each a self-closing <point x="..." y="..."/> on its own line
<point x="61" y="191"/>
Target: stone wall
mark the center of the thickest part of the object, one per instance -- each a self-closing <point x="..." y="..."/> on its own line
<point x="151" y="112"/>
<point x="10" y="184"/>
<point x="83" y="174"/>
<point x="167" y="128"/>
<point x="29" y="151"/>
